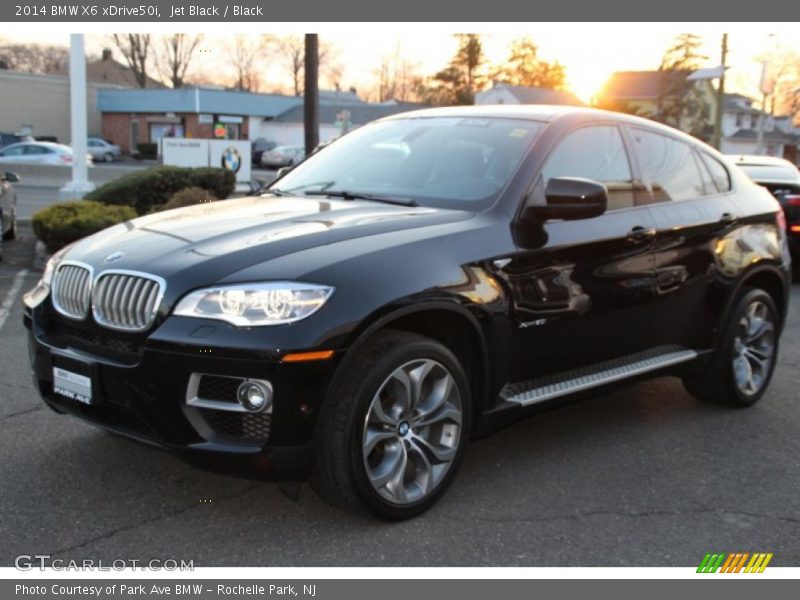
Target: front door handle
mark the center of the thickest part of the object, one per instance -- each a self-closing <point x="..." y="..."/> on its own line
<point x="640" y="234"/>
<point x="727" y="218"/>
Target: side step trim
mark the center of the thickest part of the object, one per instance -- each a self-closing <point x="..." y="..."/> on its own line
<point x="570" y="382"/>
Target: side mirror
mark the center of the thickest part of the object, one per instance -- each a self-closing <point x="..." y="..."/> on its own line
<point x="570" y="198"/>
<point x="11" y="177"/>
<point x="282" y="171"/>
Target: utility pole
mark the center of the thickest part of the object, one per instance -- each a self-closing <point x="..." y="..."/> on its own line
<point x="717" y="142"/>
<point x="311" y="92"/>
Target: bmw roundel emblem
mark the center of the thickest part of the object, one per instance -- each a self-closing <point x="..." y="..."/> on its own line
<point x="231" y="159"/>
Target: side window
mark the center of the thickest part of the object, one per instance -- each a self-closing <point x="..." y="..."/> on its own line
<point x="669" y="169"/>
<point x="719" y="174"/>
<point x="35" y="150"/>
<point x="595" y="153"/>
<point x="15" y="151"/>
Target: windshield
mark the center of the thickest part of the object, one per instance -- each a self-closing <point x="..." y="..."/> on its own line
<point x="771" y="172"/>
<point x="448" y="162"/>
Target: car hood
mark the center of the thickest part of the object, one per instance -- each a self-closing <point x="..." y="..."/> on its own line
<point x="215" y="239"/>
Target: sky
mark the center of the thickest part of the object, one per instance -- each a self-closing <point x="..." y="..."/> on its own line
<point x="590" y="52"/>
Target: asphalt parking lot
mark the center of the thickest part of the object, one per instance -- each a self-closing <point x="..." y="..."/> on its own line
<point x="644" y="476"/>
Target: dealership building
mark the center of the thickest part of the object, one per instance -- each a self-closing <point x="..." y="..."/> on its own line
<point x="133" y="116"/>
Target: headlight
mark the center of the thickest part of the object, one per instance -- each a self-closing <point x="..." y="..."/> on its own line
<point x="34" y="298"/>
<point x="255" y="304"/>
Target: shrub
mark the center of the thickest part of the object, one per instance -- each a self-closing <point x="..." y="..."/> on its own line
<point x="188" y="197"/>
<point x="147" y="150"/>
<point x="66" y="222"/>
<point x="151" y="188"/>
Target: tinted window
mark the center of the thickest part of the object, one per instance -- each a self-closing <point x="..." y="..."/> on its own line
<point x="37" y="150"/>
<point x="451" y="162"/>
<point x="15" y="151"/>
<point x="719" y="174"/>
<point x="595" y="153"/>
<point x="771" y="172"/>
<point x="669" y="169"/>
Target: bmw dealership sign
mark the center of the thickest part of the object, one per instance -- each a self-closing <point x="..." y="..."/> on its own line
<point x="233" y="155"/>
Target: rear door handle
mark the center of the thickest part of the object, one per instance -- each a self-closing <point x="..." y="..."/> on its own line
<point x="640" y="234"/>
<point x="727" y="218"/>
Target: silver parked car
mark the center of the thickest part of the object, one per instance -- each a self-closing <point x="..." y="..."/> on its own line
<point x="8" y="208"/>
<point x="38" y="153"/>
<point x="282" y="156"/>
<point x="102" y="150"/>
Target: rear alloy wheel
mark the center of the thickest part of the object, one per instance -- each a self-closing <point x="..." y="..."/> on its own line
<point x="740" y="369"/>
<point x="394" y="427"/>
<point x="108" y="157"/>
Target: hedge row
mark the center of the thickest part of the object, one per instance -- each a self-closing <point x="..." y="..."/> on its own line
<point x="152" y="188"/>
<point x="66" y="222"/>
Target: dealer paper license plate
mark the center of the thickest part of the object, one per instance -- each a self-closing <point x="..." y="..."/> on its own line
<point x="72" y="385"/>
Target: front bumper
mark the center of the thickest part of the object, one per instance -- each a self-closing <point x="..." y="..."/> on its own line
<point x="139" y="389"/>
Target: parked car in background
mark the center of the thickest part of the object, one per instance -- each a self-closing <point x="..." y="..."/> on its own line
<point x="8" y="208"/>
<point x="282" y="156"/>
<point x="6" y="139"/>
<point x="102" y="150"/>
<point x="431" y="276"/>
<point x="38" y="153"/>
<point x="258" y="147"/>
<point x="782" y="179"/>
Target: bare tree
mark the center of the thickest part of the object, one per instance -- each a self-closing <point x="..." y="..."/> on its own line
<point x="398" y="78"/>
<point x="291" y="52"/>
<point x="246" y="52"/>
<point x="175" y="55"/>
<point x="135" y="48"/>
<point x="34" y="58"/>
<point x="783" y="85"/>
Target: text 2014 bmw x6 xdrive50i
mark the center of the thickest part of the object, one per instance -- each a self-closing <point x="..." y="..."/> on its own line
<point x="426" y="278"/>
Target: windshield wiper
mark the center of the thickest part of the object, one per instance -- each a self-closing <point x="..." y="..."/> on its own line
<point x="276" y="192"/>
<point x="347" y="195"/>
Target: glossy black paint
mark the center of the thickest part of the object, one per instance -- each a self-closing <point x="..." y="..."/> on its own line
<point x="514" y="297"/>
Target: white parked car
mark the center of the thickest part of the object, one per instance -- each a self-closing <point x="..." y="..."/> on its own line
<point x="283" y="156"/>
<point x="101" y="150"/>
<point x="38" y="153"/>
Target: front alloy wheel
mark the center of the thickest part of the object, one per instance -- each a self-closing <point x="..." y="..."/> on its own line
<point x="394" y="426"/>
<point x="412" y="431"/>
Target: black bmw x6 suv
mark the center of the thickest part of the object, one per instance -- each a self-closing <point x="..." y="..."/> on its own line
<point x="423" y="280"/>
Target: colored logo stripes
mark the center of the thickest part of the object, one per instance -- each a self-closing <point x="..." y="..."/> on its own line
<point x="735" y="562"/>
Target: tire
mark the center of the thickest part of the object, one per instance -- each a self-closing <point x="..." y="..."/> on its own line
<point x="11" y="234"/>
<point x="108" y="157"/>
<point x="372" y="456"/>
<point x="740" y="369"/>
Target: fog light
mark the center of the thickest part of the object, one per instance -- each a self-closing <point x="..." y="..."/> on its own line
<point x="254" y="396"/>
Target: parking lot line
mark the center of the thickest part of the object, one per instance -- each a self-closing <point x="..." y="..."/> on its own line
<point x="11" y="296"/>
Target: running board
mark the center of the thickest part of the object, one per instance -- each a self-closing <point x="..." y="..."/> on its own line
<point x="570" y="382"/>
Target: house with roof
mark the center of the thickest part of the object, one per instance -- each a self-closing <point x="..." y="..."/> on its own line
<point x="742" y="133"/>
<point x="504" y="93"/>
<point x="108" y="70"/>
<point x="134" y="116"/>
<point x="672" y="97"/>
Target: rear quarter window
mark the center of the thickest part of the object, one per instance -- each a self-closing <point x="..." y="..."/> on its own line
<point x="669" y="169"/>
